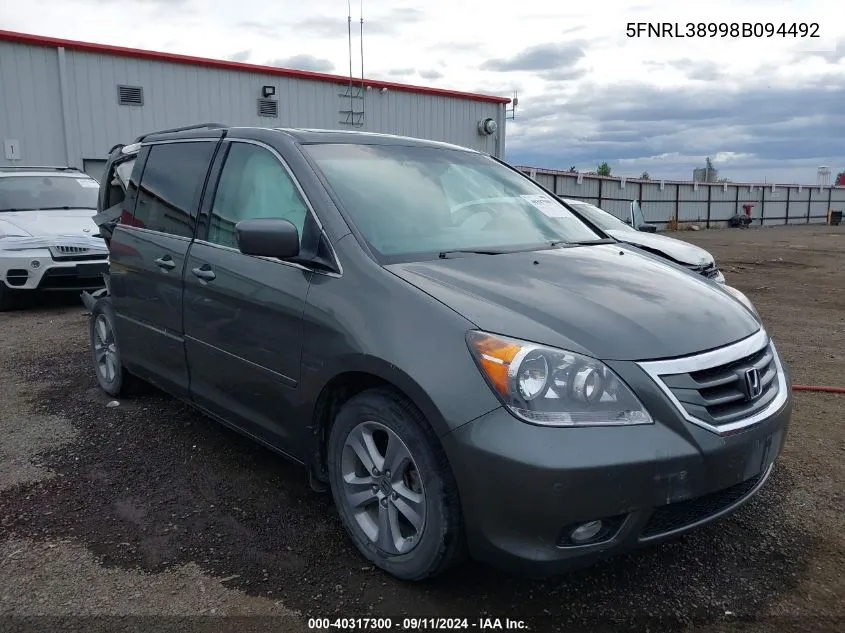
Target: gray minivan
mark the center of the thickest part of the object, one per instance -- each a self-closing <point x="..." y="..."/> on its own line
<point x="466" y="364"/>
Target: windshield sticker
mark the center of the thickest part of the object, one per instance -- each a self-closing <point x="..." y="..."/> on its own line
<point x="89" y="184"/>
<point x="547" y="205"/>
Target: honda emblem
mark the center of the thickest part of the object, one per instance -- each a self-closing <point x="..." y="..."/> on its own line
<point x="753" y="387"/>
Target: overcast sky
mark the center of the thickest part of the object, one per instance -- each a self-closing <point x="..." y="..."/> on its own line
<point x="770" y="108"/>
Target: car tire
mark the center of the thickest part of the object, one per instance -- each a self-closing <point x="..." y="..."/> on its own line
<point x="7" y="298"/>
<point x="112" y="376"/>
<point x="385" y="426"/>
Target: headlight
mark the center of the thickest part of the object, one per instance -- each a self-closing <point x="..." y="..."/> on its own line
<point x="739" y="296"/>
<point x="554" y="387"/>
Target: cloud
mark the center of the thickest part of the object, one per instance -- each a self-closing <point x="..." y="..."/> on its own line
<point x="430" y="74"/>
<point x="635" y="125"/>
<point x="389" y="23"/>
<point x="695" y="69"/>
<point x="542" y="57"/>
<point x="330" y="27"/>
<point x="268" y="29"/>
<point x="830" y="56"/>
<point x="455" y="47"/>
<point x="401" y="72"/>
<point x="405" y="14"/>
<point x="303" y="62"/>
<point x="564" y="74"/>
<point x="164" y="2"/>
<point x="240" y="56"/>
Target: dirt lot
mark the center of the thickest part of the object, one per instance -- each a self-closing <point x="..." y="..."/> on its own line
<point x="148" y="509"/>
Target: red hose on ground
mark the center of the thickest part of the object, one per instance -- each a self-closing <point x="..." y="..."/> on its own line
<point x="818" y="388"/>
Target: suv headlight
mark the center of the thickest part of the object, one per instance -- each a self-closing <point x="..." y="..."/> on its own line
<point x="553" y="387"/>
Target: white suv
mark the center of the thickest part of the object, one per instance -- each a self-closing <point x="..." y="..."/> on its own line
<point x="48" y="238"/>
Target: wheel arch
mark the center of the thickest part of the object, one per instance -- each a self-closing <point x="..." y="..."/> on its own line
<point x="362" y="375"/>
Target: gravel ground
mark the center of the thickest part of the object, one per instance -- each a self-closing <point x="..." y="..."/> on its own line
<point x="150" y="511"/>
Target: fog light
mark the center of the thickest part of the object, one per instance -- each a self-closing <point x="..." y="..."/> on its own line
<point x="585" y="531"/>
<point x="34" y="264"/>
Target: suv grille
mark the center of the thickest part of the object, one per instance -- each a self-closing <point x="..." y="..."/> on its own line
<point x="725" y="389"/>
<point x="722" y="395"/>
<point x="707" y="270"/>
<point x="64" y="252"/>
<point x="674" y="516"/>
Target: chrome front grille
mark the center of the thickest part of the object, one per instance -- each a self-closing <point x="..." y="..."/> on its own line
<point x="726" y="389"/>
<point x="707" y="270"/>
<point x="720" y="395"/>
<point x="71" y="250"/>
<point x="65" y="252"/>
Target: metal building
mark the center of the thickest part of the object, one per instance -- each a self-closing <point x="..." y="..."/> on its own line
<point x="64" y="102"/>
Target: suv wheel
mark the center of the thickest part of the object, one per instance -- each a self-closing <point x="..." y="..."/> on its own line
<point x="7" y="298"/>
<point x="393" y="487"/>
<point x="108" y="366"/>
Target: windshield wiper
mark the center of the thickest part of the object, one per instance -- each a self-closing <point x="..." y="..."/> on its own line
<point x="602" y="240"/>
<point x="63" y="208"/>
<point x="473" y="251"/>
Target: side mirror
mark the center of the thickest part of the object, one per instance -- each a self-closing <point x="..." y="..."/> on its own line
<point x="647" y="228"/>
<point x="271" y="237"/>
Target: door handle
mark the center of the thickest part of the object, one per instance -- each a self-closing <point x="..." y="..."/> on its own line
<point x="204" y="273"/>
<point x="166" y="262"/>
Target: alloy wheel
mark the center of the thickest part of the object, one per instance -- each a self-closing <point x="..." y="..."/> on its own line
<point x="105" y="349"/>
<point x="382" y="488"/>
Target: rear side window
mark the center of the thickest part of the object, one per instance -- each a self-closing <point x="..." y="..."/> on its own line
<point x="171" y="185"/>
<point x="117" y="186"/>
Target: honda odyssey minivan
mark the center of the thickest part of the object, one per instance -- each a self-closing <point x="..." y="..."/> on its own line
<point x="468" y="366"/>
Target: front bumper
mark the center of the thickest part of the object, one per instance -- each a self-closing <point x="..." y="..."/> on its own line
<point x="524" y="488"/>
<point x="39" y="271"/>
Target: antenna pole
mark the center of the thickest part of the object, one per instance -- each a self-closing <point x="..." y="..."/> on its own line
<point x="363" y="93"/>
<point x="349" y="29"/>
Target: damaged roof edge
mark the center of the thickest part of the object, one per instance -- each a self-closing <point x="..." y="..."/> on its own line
<point x="121" y="51"/>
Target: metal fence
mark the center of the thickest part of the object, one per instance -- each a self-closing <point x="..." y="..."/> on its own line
<point x="707" y="204"/>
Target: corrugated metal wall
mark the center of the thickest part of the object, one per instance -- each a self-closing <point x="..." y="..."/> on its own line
<point x="36" y="80"/>
<point x="30" y="103"/>
<point x="705" y="204"/>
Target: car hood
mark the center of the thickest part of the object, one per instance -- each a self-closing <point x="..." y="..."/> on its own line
<point x="49" y="223"/>
<point x="680" y="251"/>
<point x="607" y="301"/>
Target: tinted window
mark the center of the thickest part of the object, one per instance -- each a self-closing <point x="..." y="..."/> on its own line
<point x="44" y="193"/>
<point x="171" y="185"/>
<point x="253" y="185"/>
<point x="116" y="189"/>
<point x="414" y="202"/>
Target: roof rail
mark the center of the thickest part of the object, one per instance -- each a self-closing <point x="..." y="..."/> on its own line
<point x="198" y="126"/>
<point x="39" y="168"/>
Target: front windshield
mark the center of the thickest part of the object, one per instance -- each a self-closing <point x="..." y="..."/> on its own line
<point x="601" y="218"/>
<point x="41" y="193"/>
<point x="412" y="202"/>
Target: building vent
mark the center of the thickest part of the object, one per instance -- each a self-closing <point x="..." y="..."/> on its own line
<point x="268" y="108"/>
<point x="130" y="95"/>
